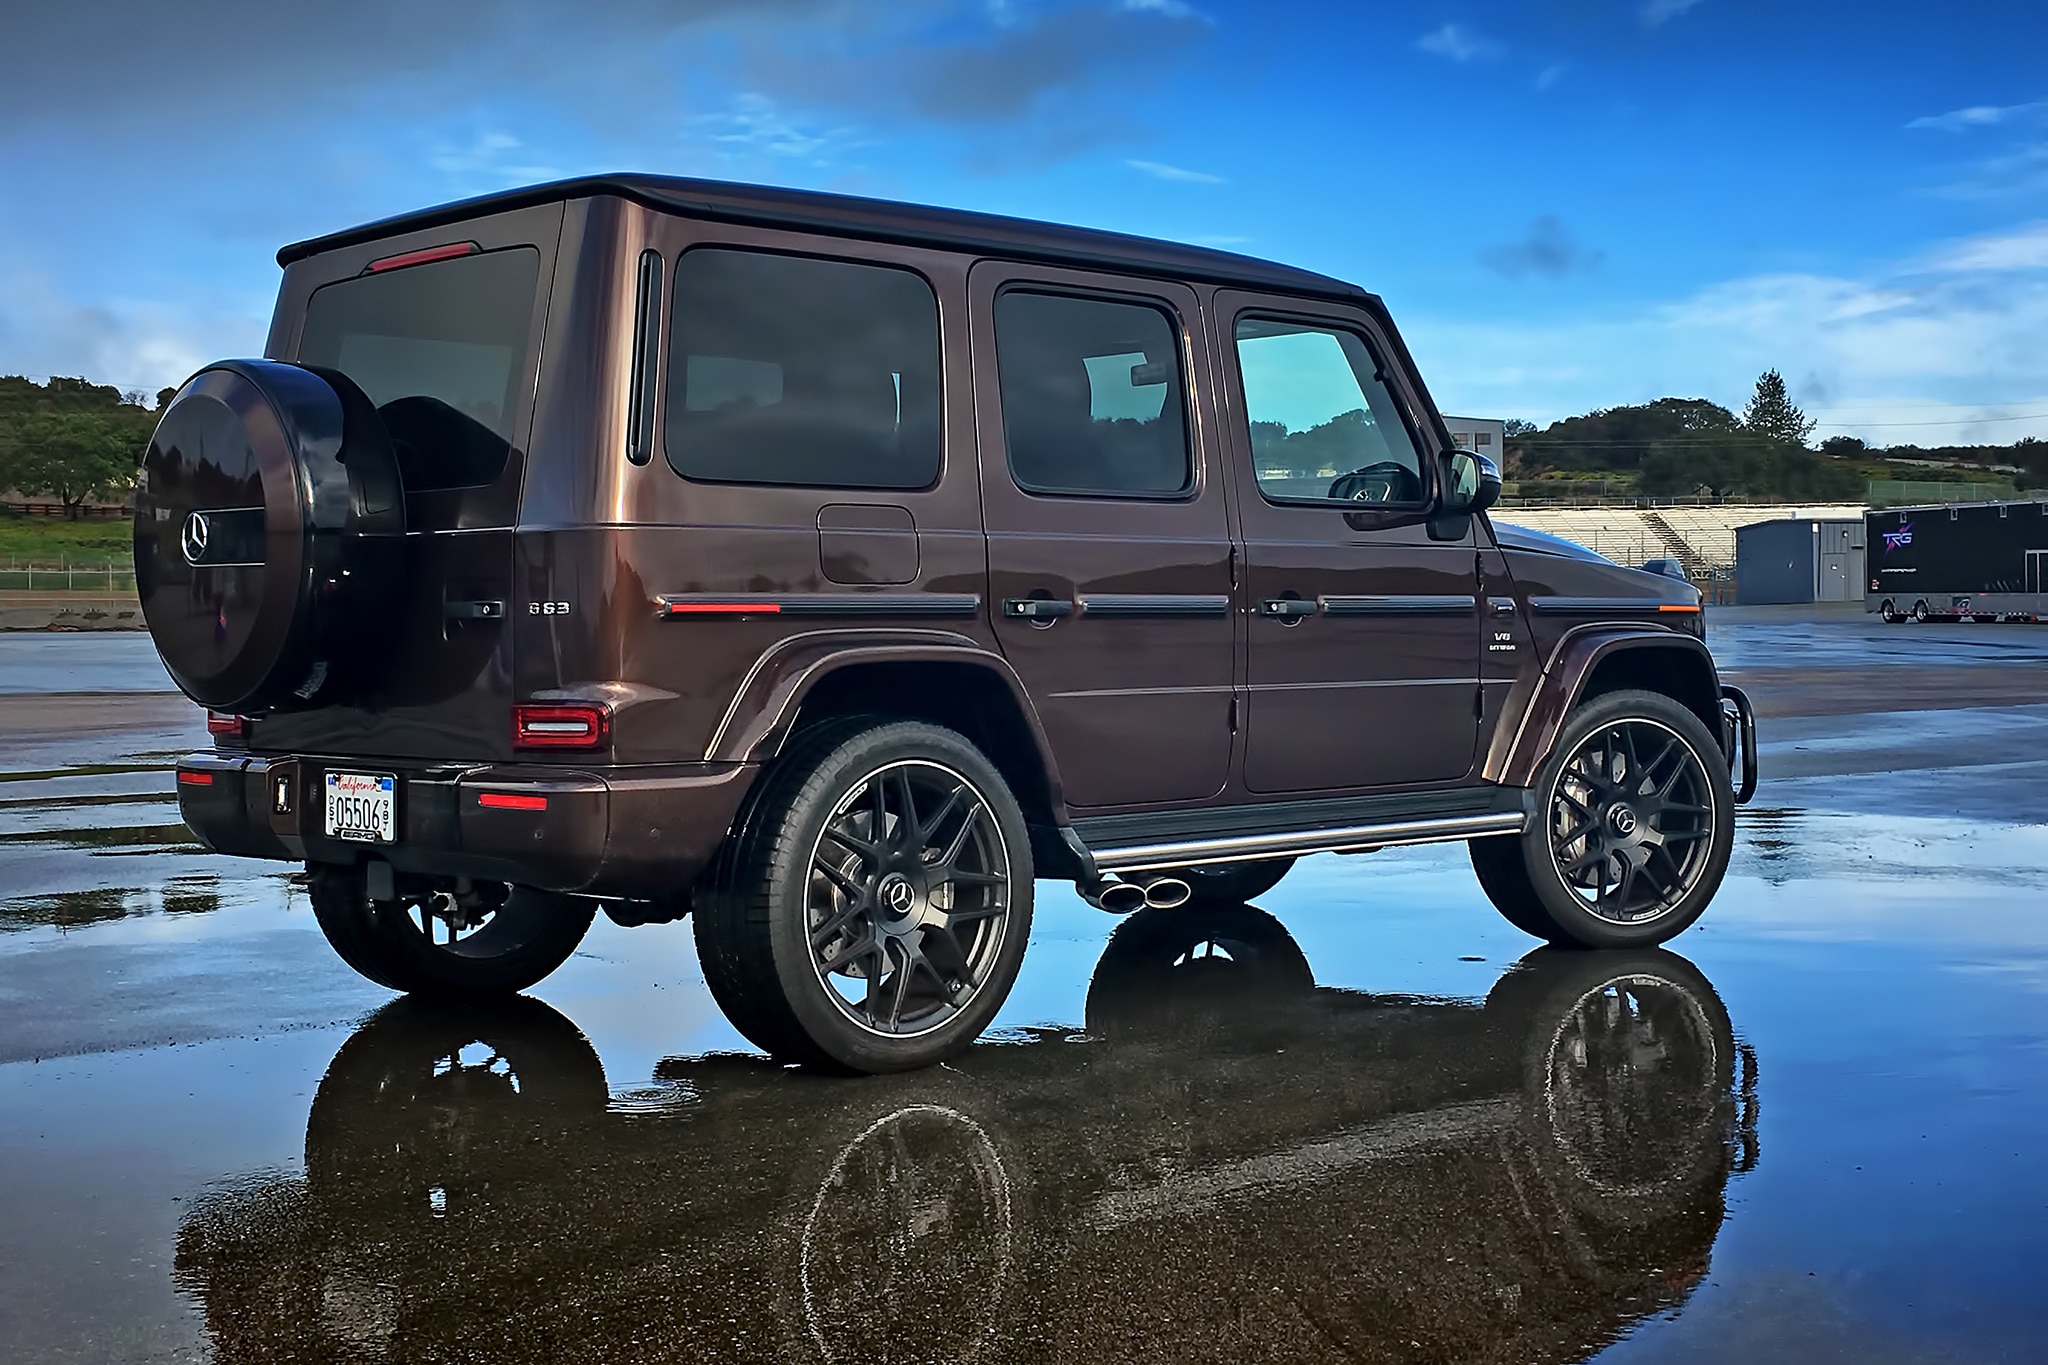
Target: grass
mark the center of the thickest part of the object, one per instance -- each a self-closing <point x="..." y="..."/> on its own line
<point x="54" y="540"/>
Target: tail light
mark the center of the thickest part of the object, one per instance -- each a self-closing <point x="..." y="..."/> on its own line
<point x="225" y="726"/>
<point x="579" y="725"/>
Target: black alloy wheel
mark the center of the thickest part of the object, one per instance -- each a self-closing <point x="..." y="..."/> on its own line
<point x="908" y="898"/>
<point x="1632" y="820"/>
<point x="1632" y="831"/>
<point x="873" y="912"/>
<point x="493" y="940"/>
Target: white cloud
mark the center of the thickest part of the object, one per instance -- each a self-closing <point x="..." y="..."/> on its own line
<point x="756" y="126"/>
<point x="1656" y="12"/>
<point x="1943" y="348"/>
<point x="1172" y="9"/>
<point x="2024" y="249"/>
<point x="1550" y="75"/>
<point x="131" y="344"/>
<point x="1161" y="171"/>
<point x="1977" y="116"/>
<point x="1459" y="44"/>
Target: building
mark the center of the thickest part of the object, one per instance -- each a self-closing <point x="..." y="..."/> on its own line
<point x="1482" y="435"/>
<point x="1799" y="559"/>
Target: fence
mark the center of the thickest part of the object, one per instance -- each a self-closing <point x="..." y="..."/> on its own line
<point x="56" y="509"/>
<point x="108" y="580"/>
<point x="1912" y="492"/>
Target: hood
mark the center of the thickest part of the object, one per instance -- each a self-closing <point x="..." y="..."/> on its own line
<point x="1512" y="537"/>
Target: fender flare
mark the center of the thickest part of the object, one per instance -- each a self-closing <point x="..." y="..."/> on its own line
<point x="1539" y="701"/>
<point x="764" y="708"/>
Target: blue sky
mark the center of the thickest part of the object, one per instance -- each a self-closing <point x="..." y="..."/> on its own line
<point x="1567" y="203"/>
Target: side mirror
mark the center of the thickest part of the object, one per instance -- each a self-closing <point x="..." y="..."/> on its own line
<point x="1474" y="483"/>
<point x="1471" y="484"/>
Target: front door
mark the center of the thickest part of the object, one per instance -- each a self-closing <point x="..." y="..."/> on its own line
<point x="1108" y="529"/>
<point x="1363" y="647"/>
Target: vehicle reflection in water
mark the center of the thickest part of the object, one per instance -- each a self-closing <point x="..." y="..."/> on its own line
<point x="1229" y="1161"/>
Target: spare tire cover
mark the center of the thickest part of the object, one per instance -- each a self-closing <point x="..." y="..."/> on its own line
<point x="269" y="527"/>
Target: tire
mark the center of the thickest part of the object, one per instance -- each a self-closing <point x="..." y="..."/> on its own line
<point x="1920" y="612"/>
<point x="1889" y="612"/>
<point x="809" y="904"/>
<point x="517" y="944"/>
<point x="1623" y="851"/>
<point x="1225" y="884"/>
<point x="270" y="538"/>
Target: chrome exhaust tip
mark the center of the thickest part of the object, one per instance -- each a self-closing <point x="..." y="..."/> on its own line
<point x="1118" y="898"/>
<point x="1166" y="893"/>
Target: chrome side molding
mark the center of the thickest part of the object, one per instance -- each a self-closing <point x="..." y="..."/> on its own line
<point x="1349" y="839"/>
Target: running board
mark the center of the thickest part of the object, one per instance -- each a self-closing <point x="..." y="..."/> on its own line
<point x="1348" y="839"/>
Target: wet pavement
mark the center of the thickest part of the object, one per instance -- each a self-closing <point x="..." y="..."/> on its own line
<point x="1361" y="1121"/>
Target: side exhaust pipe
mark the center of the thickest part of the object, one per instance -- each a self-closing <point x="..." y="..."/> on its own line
<point x="1165" y="893"/>
<point x="1118" y="898"/>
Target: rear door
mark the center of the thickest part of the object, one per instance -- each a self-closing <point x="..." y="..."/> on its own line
<point x="442" y="328"/>
<point x="1363" y="644"/>
<point x="1110" y="559"/>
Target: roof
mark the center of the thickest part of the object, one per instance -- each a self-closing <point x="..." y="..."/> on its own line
<point x="870" y="219"/>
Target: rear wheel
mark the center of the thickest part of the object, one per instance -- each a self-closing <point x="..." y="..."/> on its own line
<point x="495" y="940"/>
<point x="1920" y="612"/>
<point x="874" y="912"/>
<point x="1223" y="884"/>
<point x="1632" y="832"/>
<point x="1889" y="612"/>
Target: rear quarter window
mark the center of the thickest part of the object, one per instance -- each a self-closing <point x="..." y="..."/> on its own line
<point x="442" y="350"/>
<point x="794" y="370"/>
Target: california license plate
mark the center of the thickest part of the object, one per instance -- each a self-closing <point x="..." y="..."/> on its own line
<point x="362" y="807"/>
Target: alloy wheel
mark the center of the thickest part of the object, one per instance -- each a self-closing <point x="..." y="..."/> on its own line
<point x="1631" y="821"/>
<point x="908" y="898"/>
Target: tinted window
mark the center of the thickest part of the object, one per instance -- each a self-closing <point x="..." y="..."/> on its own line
<point x="1091" y="396"/>
<point x="1324" y="424"/>
<point x="788" y="370"/>
<point x="442" y="351"/>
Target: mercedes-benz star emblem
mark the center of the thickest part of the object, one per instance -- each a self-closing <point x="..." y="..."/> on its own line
<point x="898" y="896"/>
<point x="193" y="538"/>
<point x="1624" y="821"/>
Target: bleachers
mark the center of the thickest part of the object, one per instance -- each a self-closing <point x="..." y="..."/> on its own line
<point x="1629" y="535"/>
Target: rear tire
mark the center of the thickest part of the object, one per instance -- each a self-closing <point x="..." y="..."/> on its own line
<point x="1227" y="884"/>
<point x="1920" y="612"/>
<point x="1634" y="824"/>
<point x="1889" y="612"/>
<point x="395" y="943"/>
<point x="873" y="913"/>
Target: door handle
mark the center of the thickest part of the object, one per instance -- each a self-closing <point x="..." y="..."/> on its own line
<point x="1046" y="609"/>
<point x="1288" y="608"/>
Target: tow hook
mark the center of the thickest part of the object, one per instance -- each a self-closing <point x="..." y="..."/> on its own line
<point x="1738" y="741"/>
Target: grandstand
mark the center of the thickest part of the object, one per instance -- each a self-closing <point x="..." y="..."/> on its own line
<point x="1701" y="538"/>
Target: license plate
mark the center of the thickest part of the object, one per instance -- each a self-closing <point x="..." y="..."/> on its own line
<point x="362" y="807"/>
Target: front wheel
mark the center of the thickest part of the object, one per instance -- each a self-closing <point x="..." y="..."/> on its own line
<point x="490" y="940"/>
<point x="1889" y="612"/>
<point x="874" y="912"/>
<point x="1632" y="830"/>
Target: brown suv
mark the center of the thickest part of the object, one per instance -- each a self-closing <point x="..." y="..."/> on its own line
<point x="828" y="569"/>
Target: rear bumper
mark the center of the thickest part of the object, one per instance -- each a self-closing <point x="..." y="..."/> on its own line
<point x="614" y="831"/>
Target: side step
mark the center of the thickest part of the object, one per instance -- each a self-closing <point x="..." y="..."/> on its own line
<point x="1236" y="834"/>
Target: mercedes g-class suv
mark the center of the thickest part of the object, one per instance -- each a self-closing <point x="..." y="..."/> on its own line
<point x="827" y="569"/>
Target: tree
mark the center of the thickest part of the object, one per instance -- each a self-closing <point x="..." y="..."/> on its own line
<point x="1845" y="448"/>
<point x="70" y="456"/>
<point x="1772" y="413"/>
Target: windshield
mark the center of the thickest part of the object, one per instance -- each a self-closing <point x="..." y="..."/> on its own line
<point x="441" y="349"/>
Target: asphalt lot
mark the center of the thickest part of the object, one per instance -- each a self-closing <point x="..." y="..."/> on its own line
<point x="1362" y="1121"/>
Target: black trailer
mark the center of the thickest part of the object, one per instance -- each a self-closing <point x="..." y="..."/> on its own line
<point x="1982" y="561"/>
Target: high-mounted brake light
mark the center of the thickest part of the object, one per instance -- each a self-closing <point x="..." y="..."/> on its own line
<point x="421" y="257"/>
<point x="230" y="726"/>
<point x="580" y="725"/>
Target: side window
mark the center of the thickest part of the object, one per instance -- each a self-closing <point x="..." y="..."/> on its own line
<point x="1092" y="396"/>
<point x="790" y="370"/>
<point x="1324" y="424"/>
